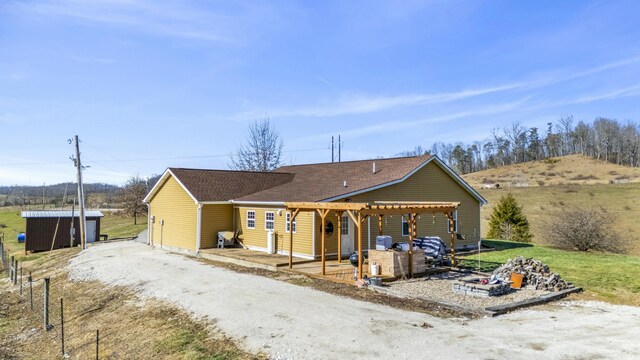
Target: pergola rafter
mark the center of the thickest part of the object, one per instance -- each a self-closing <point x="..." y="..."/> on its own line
<point x="358" y="212"/>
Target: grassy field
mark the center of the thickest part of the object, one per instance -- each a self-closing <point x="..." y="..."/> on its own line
<point x="541" y="203"/>
<point x="607" y="277"/>
<point x="113" y="225"/>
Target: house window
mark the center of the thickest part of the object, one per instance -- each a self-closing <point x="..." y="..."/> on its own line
<point x="289" y="223"/>
<point x="251" y="219"/>
<point x="405" y="226"/>
<point x="269" y="220"/>
<point x="345" y="225"/>
<point x="455" y="223"/>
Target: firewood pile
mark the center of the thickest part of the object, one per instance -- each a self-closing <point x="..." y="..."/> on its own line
<point x="535" y="274"/>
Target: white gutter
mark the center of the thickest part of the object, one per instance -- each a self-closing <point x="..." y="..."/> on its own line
<point x="198" y="227"/>
<point x="264" y="203"/>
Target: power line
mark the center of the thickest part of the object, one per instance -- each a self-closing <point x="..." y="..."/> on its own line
<point x="149" y="159"/>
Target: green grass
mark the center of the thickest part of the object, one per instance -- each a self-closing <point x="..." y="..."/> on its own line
<point x="120" y="226"/>
<point x="15" y="224"/>
<point x="542" y="202"/>
<point x="609" y="277"/>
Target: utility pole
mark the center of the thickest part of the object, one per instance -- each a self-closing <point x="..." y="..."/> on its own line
<point x="332" y="147"/>
<point x="72" y="230"/>
<point x="43" y="185"/>
<point x="339" y="149"/>
<point x="83" y="243"/>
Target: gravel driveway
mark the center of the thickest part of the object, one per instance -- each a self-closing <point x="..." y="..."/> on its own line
<point x="289" y="321"/>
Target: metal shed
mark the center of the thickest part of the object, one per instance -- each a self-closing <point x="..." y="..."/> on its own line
<point x="48" y="230"/>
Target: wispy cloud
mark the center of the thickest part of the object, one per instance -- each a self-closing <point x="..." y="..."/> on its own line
<point x="364" y="104"/>
<point x="397" y="125"/>
<point x="162" y="18"/>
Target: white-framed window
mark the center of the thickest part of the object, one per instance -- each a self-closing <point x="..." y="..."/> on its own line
<point x="455" y="223"/>
<point x="269" y="220"/>
<point x="251" y="219"/>
<point x="345" y="225"/>
<point x="405" y="226"/>
<point x="289" y="223"/>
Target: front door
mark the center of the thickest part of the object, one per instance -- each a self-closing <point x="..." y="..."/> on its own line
<point x="347" y="232"/>
<point x="91" y="231"/>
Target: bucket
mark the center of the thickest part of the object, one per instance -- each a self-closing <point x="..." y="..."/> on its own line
<point x="517" y="280"/>
<point x="375" y="269"/>
<point x="22" y="237"/>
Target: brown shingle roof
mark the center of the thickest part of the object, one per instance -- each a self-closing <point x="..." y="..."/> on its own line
<point x="318" y="182"/>
<point x="224" y="185"/>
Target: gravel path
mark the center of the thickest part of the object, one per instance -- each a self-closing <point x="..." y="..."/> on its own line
<point x="439" y="288"/>
<point x="289" y="321"/>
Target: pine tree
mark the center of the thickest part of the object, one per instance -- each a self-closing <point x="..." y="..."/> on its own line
<point x="508" y="221"/>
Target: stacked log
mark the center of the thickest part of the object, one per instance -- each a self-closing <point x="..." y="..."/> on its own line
<point x="535" y="274"/>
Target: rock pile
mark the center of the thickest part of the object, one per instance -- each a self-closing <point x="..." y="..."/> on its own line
<point x="535" y="274"/>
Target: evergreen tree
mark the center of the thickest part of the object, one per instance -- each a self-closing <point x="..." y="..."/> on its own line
<point x="508" y="221"/>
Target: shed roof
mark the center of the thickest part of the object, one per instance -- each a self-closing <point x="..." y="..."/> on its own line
<point x="59" y="213"/>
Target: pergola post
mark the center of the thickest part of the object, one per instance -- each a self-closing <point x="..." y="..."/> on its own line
<point x="360" y="275"/>
<point x="410" y="220"/>
<point x="453" y="239"/>
<point x="291" y="241"/>
<point x="380" y="224"/>
<point x="292" y="217"/>
<point x="339" y="213"/>
<point x="323" y="215"/>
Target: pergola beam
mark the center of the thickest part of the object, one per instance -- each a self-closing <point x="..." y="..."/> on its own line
<point x="358" y="212"/>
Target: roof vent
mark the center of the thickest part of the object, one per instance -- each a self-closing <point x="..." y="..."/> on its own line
<point x="374" y="167"/>
<point x="345" y="183"/>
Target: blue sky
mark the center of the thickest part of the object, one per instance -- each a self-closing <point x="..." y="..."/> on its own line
<point x="149" y="84"/>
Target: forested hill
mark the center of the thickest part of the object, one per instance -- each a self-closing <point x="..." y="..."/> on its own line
<point x="56" y="190"/>
<point x="604" y="139"/>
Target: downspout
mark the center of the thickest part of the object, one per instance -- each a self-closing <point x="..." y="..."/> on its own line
<point x="198" y="228"/>
<point x="149" y="225"/>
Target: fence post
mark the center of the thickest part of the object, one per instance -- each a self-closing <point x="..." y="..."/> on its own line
<point x="11" y="269"/>
<point x="46" y="304"/>
<point x="97" y="342"/>
<point x="21" y="281"/>
<point x="31" y="290"/>
<point x="15" y="273"/>
<point x="62" y="323"/>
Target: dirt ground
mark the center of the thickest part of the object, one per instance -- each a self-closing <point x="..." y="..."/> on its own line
<point x="284" y="320"/>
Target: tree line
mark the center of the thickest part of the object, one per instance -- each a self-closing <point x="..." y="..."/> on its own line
<point x="605" y="139"/>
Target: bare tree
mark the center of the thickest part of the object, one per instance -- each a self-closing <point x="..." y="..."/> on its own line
<point x="134" y="191"/>
<point x="584" y="230"/>
<point x="262" y="151"/>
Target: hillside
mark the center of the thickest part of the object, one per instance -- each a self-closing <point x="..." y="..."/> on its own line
<point x="564" y="170"/>
<point x="573" y="181"/>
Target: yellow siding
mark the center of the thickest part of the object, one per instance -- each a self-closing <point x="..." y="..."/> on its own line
<point x="302" y="238"/>
<point x="430" y="183"/>
<point x="179" y="212"/>
<point x="214" y="218"/>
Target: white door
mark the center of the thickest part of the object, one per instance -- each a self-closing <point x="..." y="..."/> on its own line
<point x="347" y="235"/>
<point x="91" y="231"/>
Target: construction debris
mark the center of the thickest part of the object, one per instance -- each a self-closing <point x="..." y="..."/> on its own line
<point x="536" y="275"/>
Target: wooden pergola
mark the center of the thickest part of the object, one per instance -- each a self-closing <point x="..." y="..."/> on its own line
<point x="359" y="212"/>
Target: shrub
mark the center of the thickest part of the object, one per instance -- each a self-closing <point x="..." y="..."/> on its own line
<point x="584" y="230"/>
<point x="508" y="221"/>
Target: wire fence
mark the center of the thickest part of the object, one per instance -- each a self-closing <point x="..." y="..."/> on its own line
<point x="46" y="307"/>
